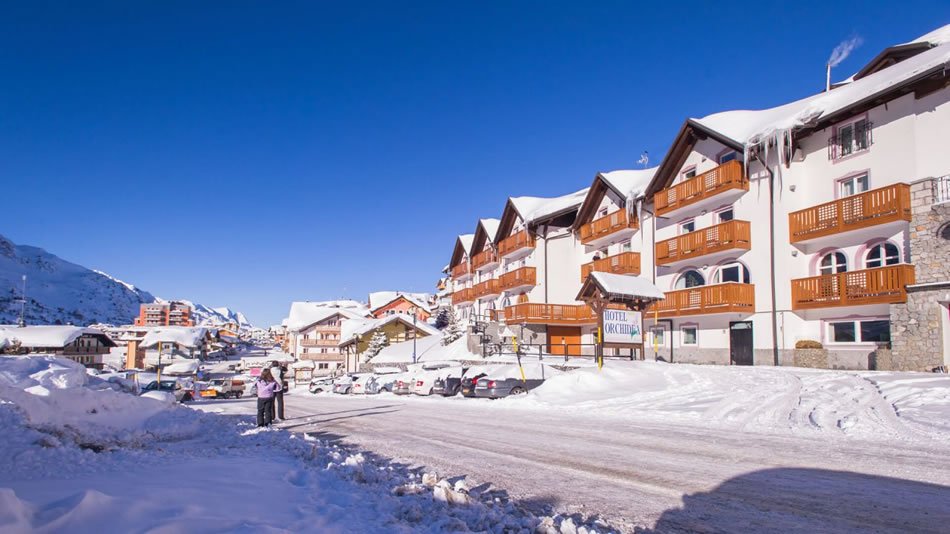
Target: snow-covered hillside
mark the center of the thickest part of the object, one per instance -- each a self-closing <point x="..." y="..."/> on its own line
<point x="62" y="292"/>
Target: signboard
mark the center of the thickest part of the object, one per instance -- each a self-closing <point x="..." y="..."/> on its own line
<point x="623" y="327"/>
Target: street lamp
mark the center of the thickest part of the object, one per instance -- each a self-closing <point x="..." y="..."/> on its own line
<point x="413" y="310"/>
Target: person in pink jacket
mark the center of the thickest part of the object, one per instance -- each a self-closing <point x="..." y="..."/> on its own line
<point x="267" y="388"/>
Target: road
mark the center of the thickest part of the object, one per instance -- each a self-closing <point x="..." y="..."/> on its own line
<point x="647" y="475"/>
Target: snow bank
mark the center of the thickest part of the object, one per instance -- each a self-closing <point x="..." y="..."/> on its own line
<point x="115" y="463"/>
<point x="532" y="371"/>
<point x="759" y="399"/>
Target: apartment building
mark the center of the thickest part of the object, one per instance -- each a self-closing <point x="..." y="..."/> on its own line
<point x="314" y="332"/>
<point x="818" y="223"/>
<point x="165" y="314"/>
<point x="483" y="261"/>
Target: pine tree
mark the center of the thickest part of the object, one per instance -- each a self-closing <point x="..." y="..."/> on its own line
<point x="443" y="317"/>
<point x="454" y="330"/>
<point x="378" y="342"/>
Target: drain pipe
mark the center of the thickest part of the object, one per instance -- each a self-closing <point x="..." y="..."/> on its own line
<point x="774" y="314"/>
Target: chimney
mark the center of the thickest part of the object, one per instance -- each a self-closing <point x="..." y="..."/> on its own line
<point x="827" y="77"/>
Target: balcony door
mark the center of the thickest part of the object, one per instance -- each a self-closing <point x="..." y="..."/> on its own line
<point x="740" y="343"/>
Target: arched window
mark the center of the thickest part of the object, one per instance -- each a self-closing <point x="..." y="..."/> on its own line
<point x="944" y="232"/>
<point x="833" y="263"/>
<point x="882" y="254"/>
<point x="690" y="279"/>
<point x="506" y="302"/>
<point x="732" y="272"/>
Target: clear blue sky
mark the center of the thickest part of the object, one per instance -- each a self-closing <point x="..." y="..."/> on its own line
<point x="251" y="154"/>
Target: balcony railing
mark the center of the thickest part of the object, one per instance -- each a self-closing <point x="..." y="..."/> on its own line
<point x="519" y="278"/>
<point x="515" y="243"/>
<point x="880" y="285"/>
<point x="730" y="297"/>
<point x="724" y="236"/>
<point x="623" y="263"/>
<point x="487" y="288"/>
<point x="461" y="270"/>
<point x="483" y="258"/>
<point x="607" y="225"/>
<point x="463" y="295"/>
<point x="727" y="176"/>
<point x="532" y="313"/>
<point x="321" y="357"/>
<point x="319" y="342"/>
<point x="878" y="206"/>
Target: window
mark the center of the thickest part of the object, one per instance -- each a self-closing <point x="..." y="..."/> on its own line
<point x="689" y="335"/>
<point x="852" y="138"/>
<point x="689" y="173"/>
<point x="659" y="335"/>
<point x="853" y="185"/>
<point x="323" y="366"/>
<point x="725" y="215"/>
<point x="833" y="263"/>
<point x="870" y="331"/>
<point x="728" y="156"/>
<point x="687" y="227"/>
<point x="733" y="272"/>
<point x="882" y="254"/>
<point x="603" y="212"/>
<point x="690" y="279"/>
<point x="626" y="247"/>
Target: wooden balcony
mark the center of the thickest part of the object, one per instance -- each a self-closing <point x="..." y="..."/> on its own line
<point x="726" y="177"/>
<point x="871" y="208"/>
<point x="525" y="277"/>
<point x="462" y="271"/>
<point x="488" y="288"/>
<point x="606" y="226"/>
<point x="319" y="342"/>
<point x="463" y="295"/>
<point x="730" y="297"/>
<point x="322" y="357"/>
<point x="522" y="241"/>
<point x="623" y="263"/>
<point x="731" y="235"/>
<point x="484" y="260"/>
<point x="557" y="314"/>
<point x="881" y="285"/>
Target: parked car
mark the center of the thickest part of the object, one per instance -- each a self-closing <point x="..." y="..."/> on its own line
<point x="470" y="378"/>
<point x="320" y="384"/>
<point x="506" y="380"/>
<point x="424" y="382"/>
<point x="448" y="385"/>
<point x="358" y="386"/>
<point x="171" y="386"/>
<point x="381" y="381"/>
<point x="342" y="384"/>
<point x="224" y="388"/>
<point x="402" y="385"/>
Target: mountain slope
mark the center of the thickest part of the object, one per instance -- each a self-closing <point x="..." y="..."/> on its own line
<point x="60" y="292"/>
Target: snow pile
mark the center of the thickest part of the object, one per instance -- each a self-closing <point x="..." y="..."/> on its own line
<point x="752" y="399"/>
<point x="532" y="371"/>
<point x="82" y="471"/>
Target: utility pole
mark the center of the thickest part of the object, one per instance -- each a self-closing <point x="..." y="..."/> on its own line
<point x="21" y="321"/>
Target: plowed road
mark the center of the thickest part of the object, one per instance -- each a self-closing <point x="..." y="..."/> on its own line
<point x="655" y="476"/>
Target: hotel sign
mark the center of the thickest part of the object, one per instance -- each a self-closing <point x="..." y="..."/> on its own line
<point x="623" y="327"/>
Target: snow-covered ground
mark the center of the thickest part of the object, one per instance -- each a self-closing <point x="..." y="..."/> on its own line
<point x="634" y="446"/>
<point x="76" y="456"/>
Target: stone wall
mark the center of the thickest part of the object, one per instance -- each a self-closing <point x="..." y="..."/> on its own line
<point x="916" y="332"/>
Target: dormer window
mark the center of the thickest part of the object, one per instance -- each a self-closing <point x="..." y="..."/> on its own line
<point x="689" y="173"/>
<point x="850" y="138"/>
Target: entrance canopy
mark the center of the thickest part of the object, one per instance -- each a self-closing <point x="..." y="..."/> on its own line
<point x="634" y="291"/>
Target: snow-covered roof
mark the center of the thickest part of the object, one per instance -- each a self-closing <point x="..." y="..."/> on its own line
<point x="184" y="336"/>
<point x="626" y="285"/>
<point x="48" y="336"/>
<point x="936" y="38"/>
<point x="629" y="183"/>
<point x="365" y="326"/>
<point x="379" y="299"/>
<point x="466" y="241"/>
<point x="747" y="127"/>
<point x="304" y="314"/>
<point x="534" y="208"/>
<point x="490" y="226"/>
<point x="402" y="352"/>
